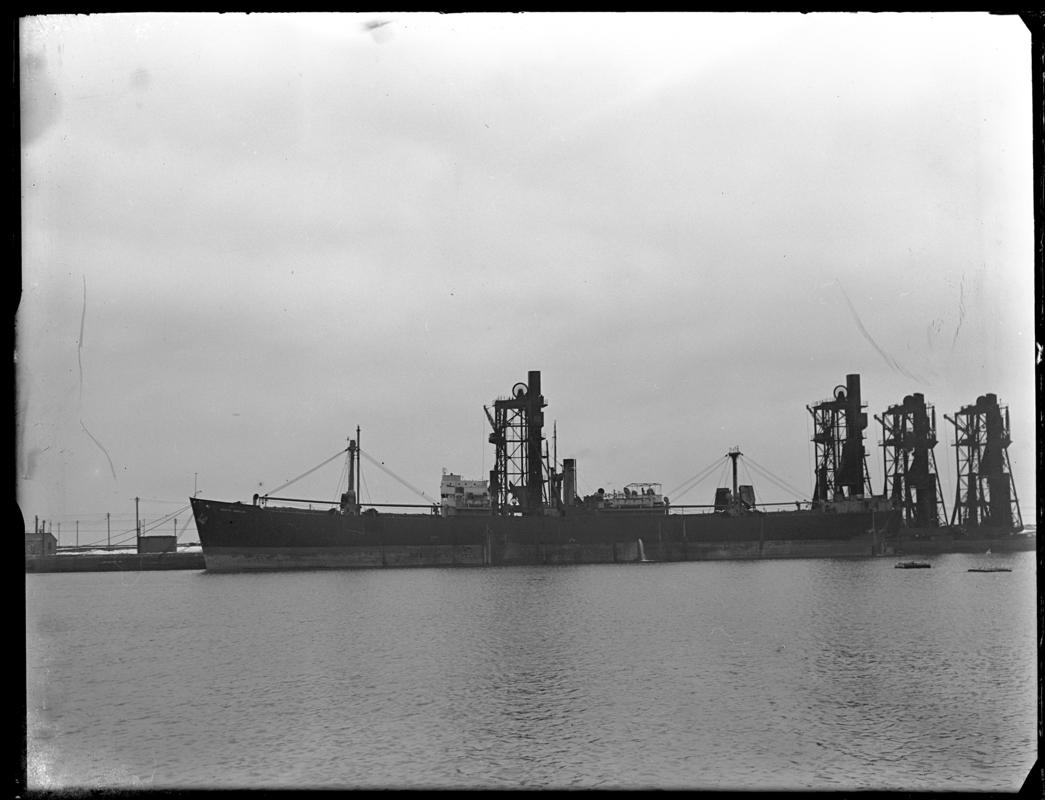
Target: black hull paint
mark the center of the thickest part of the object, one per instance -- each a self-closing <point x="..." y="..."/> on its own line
<point x="235" y="536"/>
<point x="947" y="539"/>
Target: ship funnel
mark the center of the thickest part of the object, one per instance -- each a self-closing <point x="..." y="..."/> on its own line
<point x="569" y="481"/>
<point x="534" y="382"/>
<point x="857" y="420"/>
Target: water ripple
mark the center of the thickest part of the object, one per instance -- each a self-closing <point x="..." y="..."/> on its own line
<point x="757" y="675"/>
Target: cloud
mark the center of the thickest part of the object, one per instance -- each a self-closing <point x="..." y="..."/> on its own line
<point x="289" y="229"/>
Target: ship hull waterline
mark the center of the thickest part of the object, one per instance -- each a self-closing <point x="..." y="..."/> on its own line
<point x="236" y="537"/>
<point x="929" y="541"/>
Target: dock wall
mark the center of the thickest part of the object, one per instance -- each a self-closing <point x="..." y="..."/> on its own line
<point x="114" y="562"/>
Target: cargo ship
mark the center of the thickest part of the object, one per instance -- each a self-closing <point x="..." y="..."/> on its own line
<point x="529" y="511"/>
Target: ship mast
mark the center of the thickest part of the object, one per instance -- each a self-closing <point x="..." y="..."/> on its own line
<point x="352" y="465"/>
<point x="350" y="499"/>
<point x="734" y="453"/>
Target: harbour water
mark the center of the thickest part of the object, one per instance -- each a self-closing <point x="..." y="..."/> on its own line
<point x="819" y="674"/>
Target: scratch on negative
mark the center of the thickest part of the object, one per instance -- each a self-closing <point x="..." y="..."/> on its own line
<point x="892" y="362"/>
<point x="961" y="311"/>
<point x="79" y="344"/>
<point x="100" y="447"/>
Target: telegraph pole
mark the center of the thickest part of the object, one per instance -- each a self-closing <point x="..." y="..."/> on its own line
<point x="77" y="533"/>
<point x="108" y="532"/>
<point x="137" y="528"/>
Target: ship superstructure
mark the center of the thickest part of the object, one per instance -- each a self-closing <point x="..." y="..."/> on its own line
<point x="459" y="495"/>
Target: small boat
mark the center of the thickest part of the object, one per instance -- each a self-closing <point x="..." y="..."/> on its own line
<point x="913" y="565"/>
<point x="990" y="569"/>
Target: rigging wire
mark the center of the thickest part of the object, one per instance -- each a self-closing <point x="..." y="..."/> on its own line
<point x="383" y="468"/>
<point x="723" y="476"/>
<point x="786" y="485"/>
<point x="343" y="479"/>
<point x="116" y="541"/>
<point x="127" y="535"/>
<point x="766" y="476"/>
<point x="772" y="479"/>
<point x="698" y="479"/>
<point x="160" y="500"/>
<point x="700" y="476"/>
<point x="810" y="467"/>
<point x="165" y="519"/>
<point x="186" y="525"/>
<point x="695" y="480"/>
<point x="306" y="474"/>
<point x="769" y="477"/>
<point x="96" y="516"/>
<point x="722" y="462"/>
<point x="750" y="480"/>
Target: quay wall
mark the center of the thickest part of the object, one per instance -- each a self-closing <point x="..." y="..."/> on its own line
<point x="114" y="562"/>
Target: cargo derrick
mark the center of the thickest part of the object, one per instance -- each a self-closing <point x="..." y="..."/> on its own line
<point x="838" y="433"/>
<point x="517" y="436"/>
<point x="741" y="498"/>
<point x="986" y="494"/>
<point x="555" y="477"/>
<point x="911" y="479"/>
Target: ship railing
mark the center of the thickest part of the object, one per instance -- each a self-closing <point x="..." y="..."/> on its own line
<point x="266" y="498"/>
<point x="699" y="508"/>
<point x="706" y="508"/>
<point x="83" y="548"/>
<point x="337" y="503"/>
<point x="620" y="501"/>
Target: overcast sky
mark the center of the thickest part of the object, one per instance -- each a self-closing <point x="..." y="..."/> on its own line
<point x="245" y="235"/>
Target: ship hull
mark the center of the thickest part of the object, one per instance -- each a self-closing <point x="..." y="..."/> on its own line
<point x="928" y="541"/>
<point x="237" y="537"/>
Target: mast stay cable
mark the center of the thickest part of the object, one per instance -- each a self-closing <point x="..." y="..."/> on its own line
<point x="786" y="485"/>
<point x="778" y="483"/>
<point x="306" y="474"/>
<point x="385" y="469"/>
<point x="693" y="481"/>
